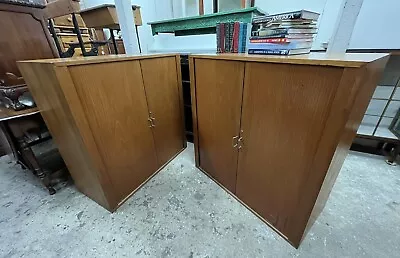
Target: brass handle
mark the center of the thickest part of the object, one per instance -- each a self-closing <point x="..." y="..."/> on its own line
<point x="234" y="145"/>
<point x="151" y="122"/>
<point x="152" y="118"/>
<point x="240" y="141"/>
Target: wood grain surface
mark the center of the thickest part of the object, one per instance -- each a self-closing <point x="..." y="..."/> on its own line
<point x="55" y="110"/>
<point x="343" y="60"/>
<point x="121" y="130"/>
<point x="282" y="120"/>
<point x="23" y="37"/>
<point x="219" y="86"/>
<point x="162" y="92"/>
<point x="297" y="122"/>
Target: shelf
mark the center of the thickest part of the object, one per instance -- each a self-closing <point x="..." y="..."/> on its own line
<point x="203" y="24"/>
<point x="185" y="81"/>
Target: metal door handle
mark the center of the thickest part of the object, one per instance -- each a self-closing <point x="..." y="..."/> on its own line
<point x="240" y="140"/>
<point x="152" y="119"/>
<point x="234" y="145"/>
<point x="151" y="122"/>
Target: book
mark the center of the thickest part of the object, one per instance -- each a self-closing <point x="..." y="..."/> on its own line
<point x="222" y="36"/>
<point x="284" y="31"/>
<point x="218" y="38"/>
<point x="282" y="52"/>
<point x="236" y="31"/>
<point x="282" y="46"/>
<point x="246" y="35"/>
<point x="288" y="36"/>
<point x="280" y="40"/>
<point x="230" y="38"/>
<point x="240" y="41"/>
<point x="302" y="14"/>
<point x="226" y="37"/>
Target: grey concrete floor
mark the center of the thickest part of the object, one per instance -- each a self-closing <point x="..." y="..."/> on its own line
<point x="182" y="213"/>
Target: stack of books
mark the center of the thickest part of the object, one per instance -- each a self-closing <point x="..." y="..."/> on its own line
<point x="232" y="37"/>
<point x="283" y="34"/>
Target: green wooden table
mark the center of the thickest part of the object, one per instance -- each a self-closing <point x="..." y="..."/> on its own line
<point x="203" y="24"/>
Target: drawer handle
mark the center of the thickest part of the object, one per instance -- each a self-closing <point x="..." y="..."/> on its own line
<point x="240" y="141"/>
<point x="151" y="122"/>
<point x="234" y="141"/>
<point x="152" y="119"/>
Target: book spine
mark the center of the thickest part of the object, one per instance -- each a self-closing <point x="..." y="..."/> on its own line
<point x="218" y="38"/>
<point x="268" y="52"/>
<point x="278" y="17"/>
<point x="240" y="40"/>
<point x="271" y="32"/>
<point x="246" y="33"/>
<point x="231" y="27"/>
<point x="222" y="37"/>
<point x="226" y="38"/>
<point x="270" y="40"/>
<point x="269" y="37"/>
<point x="236" y="37"/>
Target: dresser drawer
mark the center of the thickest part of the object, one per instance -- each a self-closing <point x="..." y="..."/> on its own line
<point x="66" y="20"/>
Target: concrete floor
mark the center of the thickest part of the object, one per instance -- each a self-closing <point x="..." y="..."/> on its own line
<point x="182" y="213"/>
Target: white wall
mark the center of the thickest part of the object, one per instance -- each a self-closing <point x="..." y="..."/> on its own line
<point x="149" y="12"/>
<point x="376" y="26"/>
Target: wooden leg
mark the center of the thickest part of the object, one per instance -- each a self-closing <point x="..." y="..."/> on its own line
<point x="29" y="156"/>
<point x="394" y="153"/>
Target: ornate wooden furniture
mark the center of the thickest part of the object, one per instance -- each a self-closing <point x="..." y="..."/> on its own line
<point x="24" y="36"/>
<point x="116" y="119"/>
<point x="25" y="130"/>
<point x="274" y="131"/>
<point x="105" y="16"/>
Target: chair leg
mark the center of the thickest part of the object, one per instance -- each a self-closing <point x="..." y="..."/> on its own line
<point x="29" y="156"/>
<point x="394" y="152"/>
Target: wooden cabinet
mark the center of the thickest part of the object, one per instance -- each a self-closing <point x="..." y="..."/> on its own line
<point x="116" y="120"/>
<point x="275" y="131"/>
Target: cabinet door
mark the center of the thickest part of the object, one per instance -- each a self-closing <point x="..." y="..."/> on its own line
<point x="115" y="105"/>
<point x="163" y="98"/>
<point x="219" y="86"/>
<point x="284" y="109"/>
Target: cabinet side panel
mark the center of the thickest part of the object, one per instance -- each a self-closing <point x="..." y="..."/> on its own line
<point x="162" y="94"/>
<point x="364" y="82"/>
<point x="47" y="92"/>
<point x="219" y="86"/>
<point x="114" y="102"/>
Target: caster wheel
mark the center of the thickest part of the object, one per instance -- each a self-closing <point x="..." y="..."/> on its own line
<point x="52" y="190"/>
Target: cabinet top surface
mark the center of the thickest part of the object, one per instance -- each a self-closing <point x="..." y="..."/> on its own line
<point x="343" y="60"/>
<point x="94" y="59"/>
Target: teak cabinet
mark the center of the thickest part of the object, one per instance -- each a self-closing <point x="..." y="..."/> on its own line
<point x="274" y="131"/>
<point x="116" y="119"/>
